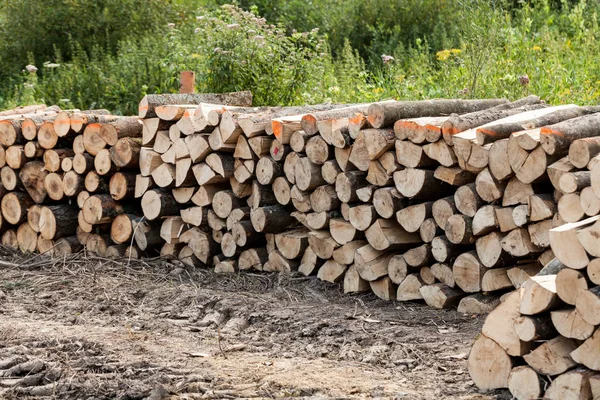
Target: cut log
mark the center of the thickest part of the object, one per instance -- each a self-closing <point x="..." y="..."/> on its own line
<point x="345" y="253"/>
<point x="531" y="328"/>
<point x="57" y="221"/>
<point x="307" y="175"/>
<point x="587" y="304"/>
<point x="309" y="262"/>
<point x="588" y="353"/>
<point x="489" y="365"/>
<point x="556" y="139"/>
<point x="158" y="203"/>
<point x="479" y="303"/>
<point x="518" y="243"/>
<point x="525" y="384"/>
<point x="488" y="188"/>
<point x="516" y="192"/>
<point x="590" y="203"/>
<point x="459" y="229"/>
<point x="552" y="357"/>
<point x="429" y="230"/>
<point x="26" y="238"/>
<point x="271" y="219"/>
<point x="122" y="228"/>
<point x="147" y="106"/>
<point x="410" y="288"/>
<point x="420" y="184"/>
<point x="387" y="113"/>
<point x="485" y="221"/>
<point x="10" y="179"/>
<point x="353" y="283"/>
<point x="322" y="244"/>
<point x="411" y="217"/>
<point x="500" y="326"/>
<point x="441" y="296"/>
<point x="112" y="131"/>
<point x="14" y="207"/>
<point x="383" y="288"/>
<point x="443" y="273"/>
<point x="566" y="246"/>
<point x="445" y="251"/>
<point x="539" y="295"/>
<point x="440" y="152"/>
<point x="468" y="272"/>
<point x="32" y="176"/>
<point x="572" y="385"/>
<point x="147" y="234"/>
<point x="342" y="231"/>
<point x="569" y="324"/>
<point x="499" y="164"/>
<point x="385" y="234"/>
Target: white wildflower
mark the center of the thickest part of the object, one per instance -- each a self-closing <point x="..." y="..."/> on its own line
<point x="31" y="68"/>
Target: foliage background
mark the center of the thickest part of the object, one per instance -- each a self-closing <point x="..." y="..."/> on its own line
<point x="109" y="53"/>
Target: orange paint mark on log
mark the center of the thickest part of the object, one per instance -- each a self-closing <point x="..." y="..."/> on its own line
<point x="486" y="132"/>
<point x="433" y="128"/>
<point x="277" y="129"/>
<point x="357" y="119"/>
<point x="548" y="131"/>
<point x="142" y="108"/>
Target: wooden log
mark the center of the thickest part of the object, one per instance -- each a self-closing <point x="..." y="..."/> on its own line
<point x="330" y="170"/>
<point x="581" y="151"/>
<point x="518" y="243"/>
<point x="362" y="217"/>
<point x="332" y="271"/>
<point x="387" y="113"/>
<point x="467" y="200"/>
<point x="429" y="230"/>
<point x="122" y="228"/>
<point x="112" y="131"/>
<point x="282" y="190"/>
<point x="26" y="238"/>
<point x="569" y="283"/>
<point x="420" y="184"/>
<point x="307" y="175"/>
<point x="345" y="253"/>
<point x="539" y="295"/>
<point x="32" y="176"/>
<point x="571" y="182"/>
<point x="524" y="383"/>
<point x="459" y="229"/>
<point x="587" y="305"/>
<point x="322" y="244"/>
<point x="148" y="104"/>
<point x="9" y="239"/>
<point x="353" y="283"/>
<point x="342" y="231"/>
<point x="387" y="201"/>
<point x="490" y="251"/>
<point x="201" y="244"/>
<point x="347" y="183"/>
<point x="33" y="217"/>
<point x="441" y="152"/>
<point x="489" y="365"/>
<point x="54" y="186"/>
<point x="556" y="139"/>
<point x="317" y="150"/>
<point x="156" y="203"/>
<point x="573" y="384"/>
<point x="441" y="296"/>
<point x="590" y="203"/>
<point x="485" y="221"/>
<point x="300" y="199"/>
<point x="385" y="234"/>
<point x="468" y="272"/>
<point x="410" y="288"/>
<point x="445" y="251"/>
<point x="67" y="245"/>
<point x="488" y="188"/>
<point x="14" y="207"/>
<point x="147" y="234"/>
<point x="499" y="164"/>
<point x="476" y="118"/>
<point x="252" y="258"/>
<point x="569" y="324"/>
<point x="271" y="219"/>
<point x="516" y="192"/>
<point x="588" y="353"/>
<point x="411" y="218"/>
<point x="10" y="179"/>
<point x="566" y="246"/>
<point x="15" y="157"/>
<point x="552" y="357"/>
<point x="477" y="304"/>
<point x="383" y="288"/>
<point x="500" y="326"/>
<point x="278" y="150"/>
<point x="531" y="328"/>
<point x="57" y="221"/>
<point x="31" y="150"/>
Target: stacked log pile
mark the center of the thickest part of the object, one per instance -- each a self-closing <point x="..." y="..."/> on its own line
<point x="543" y="340"/>
<point x="399" y="198"/>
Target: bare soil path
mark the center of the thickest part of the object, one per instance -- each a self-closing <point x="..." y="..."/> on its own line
<point x="90" y="328"/>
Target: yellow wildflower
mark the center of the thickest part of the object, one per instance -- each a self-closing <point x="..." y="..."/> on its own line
<point x="536" y="48"/>
<point x="455" y="51"/>
<point x="443" y="55"/>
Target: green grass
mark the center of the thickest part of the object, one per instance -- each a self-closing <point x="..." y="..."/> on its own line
<point x="440" y="48"/>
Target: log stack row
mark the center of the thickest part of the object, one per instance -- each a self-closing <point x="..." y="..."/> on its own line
<point x="543" y="340"/>
<point x="410" y="200"/>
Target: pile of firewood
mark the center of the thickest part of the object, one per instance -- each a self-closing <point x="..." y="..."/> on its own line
<point x="543" y="340"/>
<point x="412" y="200"/>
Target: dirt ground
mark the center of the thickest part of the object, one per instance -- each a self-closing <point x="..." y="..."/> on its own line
<point x="90" y="328"/>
